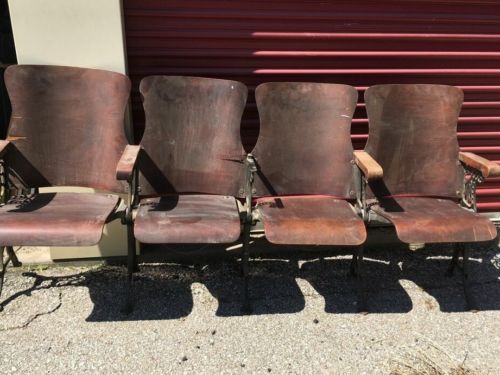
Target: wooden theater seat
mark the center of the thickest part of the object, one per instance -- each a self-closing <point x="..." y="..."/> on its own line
<point x="428" y="188"/>
<point x="306" y="179"/>
<point x="188" y="170"/>
<point x="66" y="129"/>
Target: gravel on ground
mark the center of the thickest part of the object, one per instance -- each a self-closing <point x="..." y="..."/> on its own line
<point x="187" y="318"/>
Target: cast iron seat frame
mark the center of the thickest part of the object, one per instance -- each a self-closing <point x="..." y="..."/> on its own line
<point x="453" y="178"/>
<point x="72" y="105"/>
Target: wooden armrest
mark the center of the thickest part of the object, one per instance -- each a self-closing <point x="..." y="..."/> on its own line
<point x="3" y="147"/>
<point x="485" y="166"/>
<point x="127" y="163"/>
<point x="370" y="168"/>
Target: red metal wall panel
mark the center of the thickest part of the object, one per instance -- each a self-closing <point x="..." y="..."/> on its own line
<point x="361" y="43"/>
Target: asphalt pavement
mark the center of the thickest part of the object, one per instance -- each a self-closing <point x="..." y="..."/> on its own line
<point x="188" y="318"/>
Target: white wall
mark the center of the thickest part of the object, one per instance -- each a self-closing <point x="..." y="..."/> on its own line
<point x="84" y="33"/>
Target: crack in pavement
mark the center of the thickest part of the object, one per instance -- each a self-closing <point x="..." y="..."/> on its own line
<point x="36" y="316"/>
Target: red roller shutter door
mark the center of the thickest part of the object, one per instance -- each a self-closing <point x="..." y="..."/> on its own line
<point x="360" y="43"/>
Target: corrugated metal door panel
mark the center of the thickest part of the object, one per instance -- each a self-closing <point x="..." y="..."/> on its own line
<point x="362" y="43"/>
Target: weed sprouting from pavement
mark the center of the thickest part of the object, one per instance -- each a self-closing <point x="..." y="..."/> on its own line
<point x="427" y="369"/>
<point x="428" y="359"/>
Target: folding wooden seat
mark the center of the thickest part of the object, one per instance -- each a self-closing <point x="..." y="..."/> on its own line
<point x="66" y="129"/>
<point x="428" y="188"/>
<point x="191" y="163"/>
<point x="306" y="177"/>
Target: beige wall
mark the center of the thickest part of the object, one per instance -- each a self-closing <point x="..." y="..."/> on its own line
<point x="84" y="33"/>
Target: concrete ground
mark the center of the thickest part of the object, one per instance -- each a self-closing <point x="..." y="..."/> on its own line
<point x="187" y="318"/>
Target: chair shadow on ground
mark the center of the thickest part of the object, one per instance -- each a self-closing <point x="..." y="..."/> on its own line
<point x="386" y="266"/>
<point x="164" y="290"/>
<point x="331" y="278"/>
<point x="427" y="269"/>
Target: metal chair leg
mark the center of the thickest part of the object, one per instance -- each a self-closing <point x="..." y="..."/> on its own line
<point x="322" y="262"/>
<point x="362" y="307"/>
<point x="454" y="260"/>
<point x="470" y="299"/>
<point x="246" y="306"/>
<point x="353" y="269"/>
<point x="131" y="268"/>
<point x="2" y="271"/>
<point x="134" y="260"/>
<point x="13" y="257"/>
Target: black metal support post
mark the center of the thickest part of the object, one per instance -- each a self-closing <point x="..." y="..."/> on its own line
<point x="2" y="271"/>
<point x="132" y="265"/>
<point x="454" y="261"/>
<point x="462" y="250"/>
<point x="470" y="299"/>
<point x="131" y="268"/>
<point x="11" y="257"/>
<point x="251" y="168"/>
<point x="360" y="285"/>
<point x="354" y="264"/>
<point x="247" y="306"/>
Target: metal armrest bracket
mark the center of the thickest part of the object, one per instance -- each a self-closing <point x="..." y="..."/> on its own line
<point x="473" y="177"/>
<point x="250" y="170"/>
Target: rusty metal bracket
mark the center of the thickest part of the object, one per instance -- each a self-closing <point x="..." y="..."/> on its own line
<point x="251" y="169"/>
<point x="7" y="190"/>
<point x="132" y="197"/>
<point x="12" y="187"/>
<point x="4" y="186"/>
<point x="362" y="202"/>
<point x="361" y="196"/>
<point x="361" y="186"/>
<point x="473" y="177"/>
